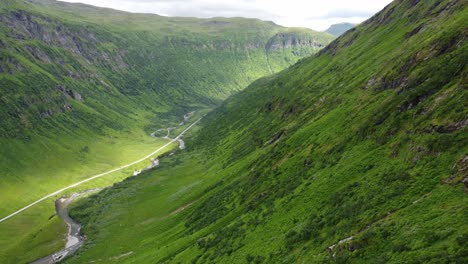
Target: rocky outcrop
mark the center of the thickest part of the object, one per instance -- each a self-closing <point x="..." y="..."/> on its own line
<point x="68" y="92"/>
<point x="462" y="170"/>
<point x="459" y="174"/>
<point x="450" y="128"/>
<point x="275" y="138"/>
<point x="288" y="40"/>
<point x="79" y="41"/>
<point x="10" y="65"/>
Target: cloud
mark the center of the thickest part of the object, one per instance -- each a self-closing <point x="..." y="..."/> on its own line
<point x="347" y="13"/>
<point x="316" y="14"/>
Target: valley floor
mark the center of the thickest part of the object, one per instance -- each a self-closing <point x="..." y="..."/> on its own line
<point x="48" y="236"/>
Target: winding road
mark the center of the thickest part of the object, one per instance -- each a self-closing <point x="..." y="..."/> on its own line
<point x="100" y="175"/>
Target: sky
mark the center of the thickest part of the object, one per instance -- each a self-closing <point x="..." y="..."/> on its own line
<point x="315" y="14"/>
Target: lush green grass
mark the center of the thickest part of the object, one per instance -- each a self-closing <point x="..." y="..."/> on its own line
<point x="42" y="240"/>
<point x="129" y="77"/>
<point x="365" y="140"/>
<point x="27" y="231"/>
<point x="127" y="64"/>
<point x="33" y="230"/>
<point x="81" y="89"/>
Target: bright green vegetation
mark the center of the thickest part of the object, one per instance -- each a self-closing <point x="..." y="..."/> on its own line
<point x="339" y="29"/>
<point x="366" y="141"/>
<point x="81" y="89"/>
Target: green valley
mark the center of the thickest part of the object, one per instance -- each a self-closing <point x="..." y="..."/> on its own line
<point x="355" y="155"/>
<point x="82" y="88"/>
<point x="353" y="150"/>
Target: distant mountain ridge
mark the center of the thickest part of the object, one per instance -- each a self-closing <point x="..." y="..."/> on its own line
<point x="339" y="29"/>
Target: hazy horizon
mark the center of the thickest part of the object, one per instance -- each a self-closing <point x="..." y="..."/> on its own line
<point x="317" y="15"/>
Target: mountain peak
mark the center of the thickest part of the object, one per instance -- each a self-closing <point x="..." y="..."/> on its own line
<point x="340" y="28"/>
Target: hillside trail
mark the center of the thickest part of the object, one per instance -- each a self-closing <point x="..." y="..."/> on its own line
<point x="187" y="117"/>
<point x="75" y="239"/>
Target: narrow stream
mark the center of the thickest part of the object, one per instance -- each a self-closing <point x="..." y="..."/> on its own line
<point x="74" y="239"/>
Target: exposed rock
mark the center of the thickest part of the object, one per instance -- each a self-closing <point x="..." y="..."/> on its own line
<point x="48" y="113"/>
<point x="414" y="2"/>
<point x="420" y="149"/>
<point x="291" y="111"/>
<point x="269" y="107"/>
<point x="68" y="92"/>
<point x="39" y="54"/>
<point x="412" y="103"/>
<point x="459" y="174"/>
<point x="465" y="182"/>
<point x="463" y="170"/>
<point x="79" y="41"/>
<point x="67" y="107"/>
<point x="332" y="247"/>
<point x="275" y="138"/>
<point x="75" y="95"/>
<point x="452" y="127"/>
<point x="389" y="82"/>
<point x="10" y="65"/>
<point x="445" y="129"/>
<point x="414" y="31"/>
<point x="288" y="40"/>
<point x="61" y="88"/>
<point x="383" y="17"/>
<point x="449" y="7"/>
<point x="74" y="75"/>
<point x="352" y="37"/>
<point x="372" y="82"/>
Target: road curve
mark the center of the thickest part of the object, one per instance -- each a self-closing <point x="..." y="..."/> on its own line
<point x="100" y="175"/>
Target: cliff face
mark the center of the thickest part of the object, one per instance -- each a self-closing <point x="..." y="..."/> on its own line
<point x="288" y="40"/>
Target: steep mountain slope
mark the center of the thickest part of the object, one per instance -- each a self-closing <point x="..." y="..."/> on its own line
<point x="82" y="87"/>
<point x="339" y="29"/>
<point x="357" y="155"/>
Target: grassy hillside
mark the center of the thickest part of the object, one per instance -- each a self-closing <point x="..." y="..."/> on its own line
<point x="100" y="58"/>
<point x="356" y="155"/>
<point x="81" y="89"/>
